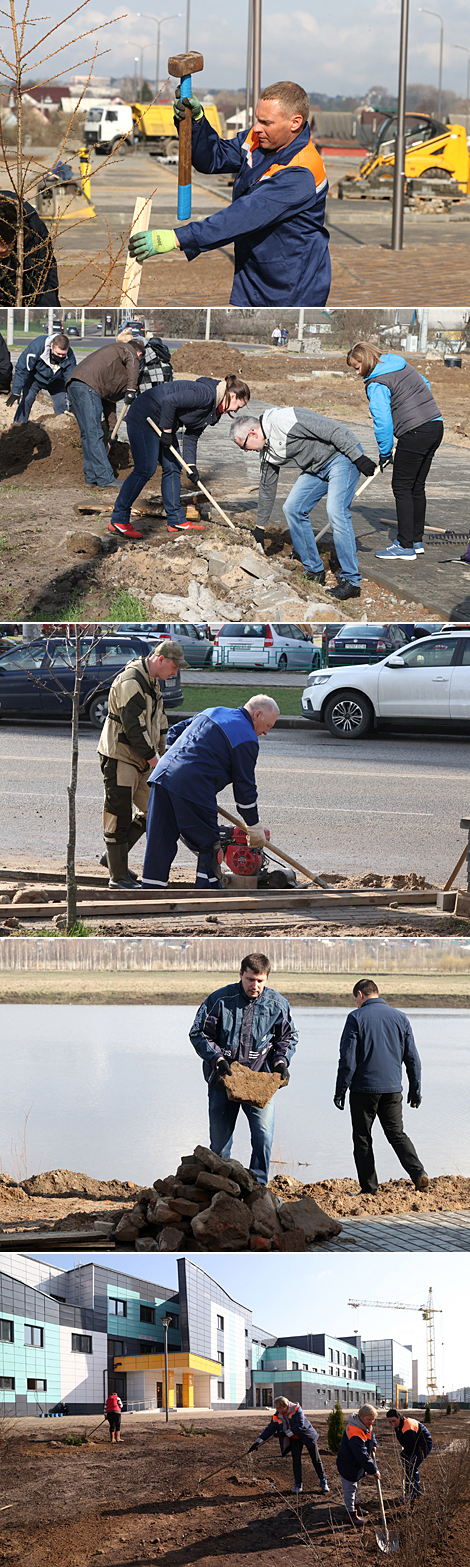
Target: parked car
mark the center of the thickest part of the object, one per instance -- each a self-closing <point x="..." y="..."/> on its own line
<point x="72" y="331"/>
<point x="242" y="645"/>
<point x="361" y="643"/>
<point x="36" y="680"/>
<point x="197" y="648"/>
<point x="424" y="684"/>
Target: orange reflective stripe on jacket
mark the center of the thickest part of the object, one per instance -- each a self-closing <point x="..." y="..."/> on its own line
<point x="410" y="1425"/>
<point x="278" y="1419"/>
<point x="307" y="158"/>
<point x="358" y="1431"/>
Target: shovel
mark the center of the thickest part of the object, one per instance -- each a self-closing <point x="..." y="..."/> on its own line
<point x="386" y="1541"/>
<point x="278" y="853"/>
<point x="357" y="493"/>
<point x="175" y="453"/>
<point x="113" y="436"/>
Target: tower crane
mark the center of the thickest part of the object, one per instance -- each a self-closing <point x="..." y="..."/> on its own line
<point x="428" y="1312"/>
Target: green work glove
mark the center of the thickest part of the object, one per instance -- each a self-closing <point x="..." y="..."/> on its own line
<point x="154" y="242"/>
<point x="191" y="103"/>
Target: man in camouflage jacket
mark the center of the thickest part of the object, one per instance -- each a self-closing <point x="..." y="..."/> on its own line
<point x="132" y="740"/>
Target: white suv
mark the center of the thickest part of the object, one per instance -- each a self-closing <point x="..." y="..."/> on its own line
<point x="426" y="683"/>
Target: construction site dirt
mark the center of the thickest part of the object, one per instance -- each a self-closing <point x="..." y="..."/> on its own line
<point x="187" y="1493"/>
<point x="57" y="553"/>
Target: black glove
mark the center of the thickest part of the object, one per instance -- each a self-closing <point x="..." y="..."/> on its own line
<point x="13" y="398"/>
<point x="192" y="472"/>
<point x="166" y="437"/>
<point x="414" y="1098"/>
<point x="254" y="1445"/>
<point x="223" y="1068"/>
<point x="283" y="1070"/>
<point x="130" y="394"/>
<point x="339" y="1101"/>
<point x="365" y="465"/>
<point x="258" y="534"/>
<point x="385" y="461"/>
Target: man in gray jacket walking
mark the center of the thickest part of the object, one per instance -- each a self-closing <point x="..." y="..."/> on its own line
<point x="376" y="1042"/>
<point x="330" y="460"/>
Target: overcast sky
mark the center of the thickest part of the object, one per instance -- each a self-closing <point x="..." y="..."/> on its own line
<point x="307" y="1294"/>
<point x="341" y="48"/>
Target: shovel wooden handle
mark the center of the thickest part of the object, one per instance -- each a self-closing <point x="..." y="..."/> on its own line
<point x="280" y="854"/>
<point x="113" y="436"/>
<point x="200" y="485"/>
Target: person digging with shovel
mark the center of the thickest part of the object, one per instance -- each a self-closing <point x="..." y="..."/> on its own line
<point x="94" y="388"/>
<point x="294" y="1432"/>
<point x="112" y="1410"/>
<point x="193" y="405"/>
<point x="356" y="1458"/>
<point x="416" y="1443"/>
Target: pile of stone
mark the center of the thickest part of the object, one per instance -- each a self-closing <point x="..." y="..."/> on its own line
<point x="215" y="1204"/>
<point x="211" y="578"/>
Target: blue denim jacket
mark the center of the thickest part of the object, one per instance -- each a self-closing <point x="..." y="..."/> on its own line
<point x="217" y="1029"/>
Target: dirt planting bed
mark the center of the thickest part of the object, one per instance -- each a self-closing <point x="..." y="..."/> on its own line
<point x="154" y="1498"/>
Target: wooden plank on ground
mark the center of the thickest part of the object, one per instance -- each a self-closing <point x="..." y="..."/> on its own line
<point x="187" y="902"/>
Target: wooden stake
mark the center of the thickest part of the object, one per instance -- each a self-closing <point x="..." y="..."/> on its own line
<point x="133" y="270"/>
<point x="456" y="869"/>
<point x="272" y="850"/>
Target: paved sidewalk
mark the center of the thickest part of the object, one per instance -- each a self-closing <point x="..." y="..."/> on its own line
<point x="448" y="1231"/>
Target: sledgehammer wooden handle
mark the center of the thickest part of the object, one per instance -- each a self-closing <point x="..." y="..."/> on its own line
<point x="272" y="849"/>
<point x="183" y="65"/>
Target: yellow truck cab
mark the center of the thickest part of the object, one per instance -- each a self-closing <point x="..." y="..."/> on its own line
<point x="110" y="127"/>
<point x="154" y="123"/>
<point x="436" y="156"/>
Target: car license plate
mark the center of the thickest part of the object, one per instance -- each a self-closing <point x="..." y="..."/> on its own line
<point x="171" y="681"/>
<point x="359" y="647"/>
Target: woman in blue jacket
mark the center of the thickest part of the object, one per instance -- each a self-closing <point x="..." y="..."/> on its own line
<point x="191" y="404"/>
<point x="403" y="410"/>
<point x="294" y="1432"/>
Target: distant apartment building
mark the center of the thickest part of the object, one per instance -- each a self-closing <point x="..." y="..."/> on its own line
<point x="68" y="1336"/>
<point x="390" y="1365"/>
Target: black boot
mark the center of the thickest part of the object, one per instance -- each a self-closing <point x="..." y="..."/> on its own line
<point x="119" y="874"/>
<point x="315" y="576"/>
<point x="345" y="590"/>
<point x="258" y="534"/>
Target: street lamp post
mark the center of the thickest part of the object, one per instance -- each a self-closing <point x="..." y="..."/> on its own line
<point x="166" y="1324"/>
<point x="158" y="20"/>
<point x="467" y="112"/>
<point x="256" y="52"/>
<point x="426" y="12"/>
<point x="399" y="161"/>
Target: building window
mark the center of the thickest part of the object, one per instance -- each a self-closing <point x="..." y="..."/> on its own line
<point x="7" y="1382"/>
<point x="148" y="1347"/>
<point x="305" y="1366"/>
<point x="295" y="1365"/>
<point x="147" y="1313"/>
<point x="220" y="1356"/>
<point x="116" y="1346"/>
<point x="220" y="1324"/>
<point x="7" y="1332"/>
<point x="221" y="1390"/>
<point x="355" y="1376"/>
<point x="328" y="1394"/>
<point x="330" y="1354"/>
<point x="337" y="1357"/>
<point x="117" y="1308"/>
<point x="36" y="1385"/>
<point x="336" y="1371"/>
<point x="247" y="1362"/>
<point x="343" y="1360"/>
<point x="81" y="1343"/>
<point x="34" y="1336"/>
<point x="246" y="1332"/>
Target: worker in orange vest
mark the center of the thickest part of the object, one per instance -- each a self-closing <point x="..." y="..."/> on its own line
<point x="294" y="1432"/>
<point x="356" y="1458"/>
<point x="415" y="1442"/>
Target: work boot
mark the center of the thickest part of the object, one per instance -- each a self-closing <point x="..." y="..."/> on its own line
<point x="117" y="861"/>
<point x="423" y="1183"/>
<point x="125" y="530"/>
<point x="258" y="534"/>
<point x="345" y="590"/>
<point x="315" y="576"/>
<point x="113" y="484"/>
<point x="104" y="861"/>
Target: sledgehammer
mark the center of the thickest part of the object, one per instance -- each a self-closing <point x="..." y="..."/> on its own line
<point x="183" y="65"/>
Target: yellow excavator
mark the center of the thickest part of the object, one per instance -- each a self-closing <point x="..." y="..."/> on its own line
<point x="437" y="161"/>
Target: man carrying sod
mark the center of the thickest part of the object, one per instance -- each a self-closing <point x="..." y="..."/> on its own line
<point x="294" y="1432"/>
<point x="204" y="754"/>
<point x="249" y="1023"/>
<point x="416" y="1443"/>
<point x="277" y="216"/>
<point x="132" y="738"/>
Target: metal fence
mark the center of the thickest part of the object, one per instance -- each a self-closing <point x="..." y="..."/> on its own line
<point x="315" y="954"/>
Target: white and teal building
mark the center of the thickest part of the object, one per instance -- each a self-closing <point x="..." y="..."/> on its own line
<point x="70" y="1335"/>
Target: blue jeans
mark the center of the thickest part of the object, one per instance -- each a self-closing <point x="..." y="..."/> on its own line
<point x="147" y="452"/>
<point x="88" y="409"/>
<point x="223" y="1114"/>
<point x="337" y="480"/>
<point x="58" y="398"/>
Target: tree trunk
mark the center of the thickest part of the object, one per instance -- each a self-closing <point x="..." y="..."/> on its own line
<point x="19" y="192"/>
<point x="72" y="791"/>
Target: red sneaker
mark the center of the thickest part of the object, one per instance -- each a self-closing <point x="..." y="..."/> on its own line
<point x="185" y="527"/>
<point x="125" y="530"/>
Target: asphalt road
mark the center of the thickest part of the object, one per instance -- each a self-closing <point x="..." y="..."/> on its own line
<point x="389" y="804"/>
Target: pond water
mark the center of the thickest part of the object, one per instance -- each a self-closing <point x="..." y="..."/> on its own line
<point x="119" y="1092"/>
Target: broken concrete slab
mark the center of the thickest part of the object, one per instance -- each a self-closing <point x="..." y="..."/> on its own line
<point x="216" y="1183"/>
<point x="254" y="1088"/>
<point x="226" y="1167"/>
<point x="225" y="1226"/>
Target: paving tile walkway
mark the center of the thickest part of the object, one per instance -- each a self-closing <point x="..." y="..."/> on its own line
<point x="448" y="1231"/>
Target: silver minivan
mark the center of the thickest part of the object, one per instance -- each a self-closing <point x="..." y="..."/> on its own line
<point x="246" y="645"/>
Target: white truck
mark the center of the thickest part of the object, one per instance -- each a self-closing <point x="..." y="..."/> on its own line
<point x="107" y="124"/>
